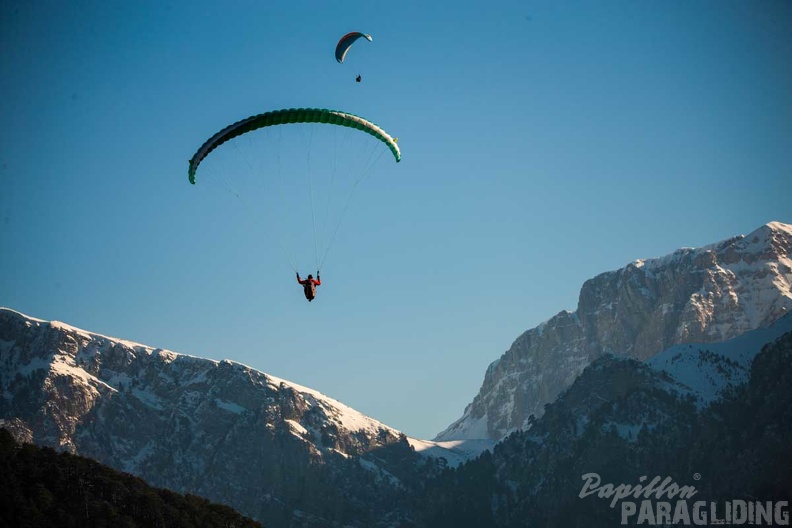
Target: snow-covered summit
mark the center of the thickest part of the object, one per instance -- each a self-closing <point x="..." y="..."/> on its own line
<point x="773" y="237"/>
<point x="160" y="379"/>
<point x="707" y="294"/>
<point x="779" y="227"/>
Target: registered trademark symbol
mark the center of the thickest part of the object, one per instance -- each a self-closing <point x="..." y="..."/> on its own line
<point x="696" y="476"/>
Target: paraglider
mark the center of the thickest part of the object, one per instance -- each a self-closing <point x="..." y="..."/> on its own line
<point x="232" y="166"/>
<point x="309" y="285"/>
<point x="287" y="116"/>
<point x="346" y="42"/>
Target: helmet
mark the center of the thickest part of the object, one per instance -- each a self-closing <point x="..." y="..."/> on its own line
<point x="310" y="276"/>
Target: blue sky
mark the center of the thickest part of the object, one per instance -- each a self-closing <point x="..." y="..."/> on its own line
<point x="543" y="143"/>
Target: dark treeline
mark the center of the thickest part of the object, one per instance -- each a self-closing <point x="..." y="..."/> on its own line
<point x="40" y="487"/>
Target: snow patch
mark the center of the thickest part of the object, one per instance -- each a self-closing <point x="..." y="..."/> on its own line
<point x="340" y="414"/>
<point x="381" y="473"/>
<point x="455" y="452"/>
<point x="297" y="427"/>
<point x="62" y="367"/>
<point x="708" y="370"/>
<point x="466" y="427"/>
<point x="229" y="406"/>
<point x="148" y="399"/>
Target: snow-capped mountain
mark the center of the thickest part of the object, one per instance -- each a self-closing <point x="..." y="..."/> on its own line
<point x="630" y="378"/>
<point x="706" y="294"/>
<point x="272" y="449"/>
<point x="717" y="417"/>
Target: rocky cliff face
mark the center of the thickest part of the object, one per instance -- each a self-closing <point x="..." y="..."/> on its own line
<point x="281" y="453"/>
<point x="706" y="294"/>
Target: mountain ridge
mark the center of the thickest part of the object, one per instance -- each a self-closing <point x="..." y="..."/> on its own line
<point x="625" y="420"/>
<point x="187" y="424"/>
<point x="276" y="450"/>
<point x="705" y="294"/>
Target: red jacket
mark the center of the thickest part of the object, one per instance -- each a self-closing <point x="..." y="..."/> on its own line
<point x="309" y="286"/>
<point x="316" y="282"/>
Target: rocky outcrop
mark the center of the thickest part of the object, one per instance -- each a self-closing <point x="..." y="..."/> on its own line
<point x="706" y="294"/>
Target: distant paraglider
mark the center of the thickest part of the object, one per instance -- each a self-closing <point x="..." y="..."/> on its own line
<point x="345" y="43"/>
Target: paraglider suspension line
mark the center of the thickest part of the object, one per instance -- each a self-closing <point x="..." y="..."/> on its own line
<point x="310" y="192"/>
<point x="363" y="175"/>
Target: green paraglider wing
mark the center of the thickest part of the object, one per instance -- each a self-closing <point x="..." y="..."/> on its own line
<point x="286" y="116"/>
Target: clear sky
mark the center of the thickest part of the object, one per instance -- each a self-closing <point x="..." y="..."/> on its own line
<point x="543" y="143"/>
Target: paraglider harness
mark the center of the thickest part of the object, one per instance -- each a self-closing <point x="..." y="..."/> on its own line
<point x="309" y="285"/>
